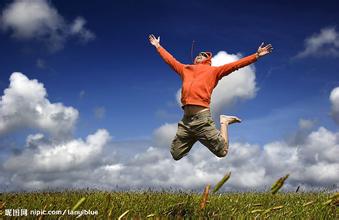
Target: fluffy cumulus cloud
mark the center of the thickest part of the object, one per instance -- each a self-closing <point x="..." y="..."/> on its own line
<point x="318" y="164"/>
<point x="46" y="163"/>
<point x="40" y="20"/>
<point x="334" y="99"/>
<point x="325" y="43"/>
<point x="312" y="164"/>
<point x="43" y="155"/>
<point x="25" y="105"/>
<point x="240" y="85"/>
<point x="52" y="158"/>
<point x="163" y="135"/>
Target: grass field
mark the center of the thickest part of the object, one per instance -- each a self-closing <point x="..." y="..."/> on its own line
<point x="159" y="205"/>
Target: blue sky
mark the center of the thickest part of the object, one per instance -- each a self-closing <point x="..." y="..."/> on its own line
<point x="115" y="79"/>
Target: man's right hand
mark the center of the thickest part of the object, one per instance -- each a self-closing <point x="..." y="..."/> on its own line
<point x="154" y="41"/>
<point x="264" y="50"/>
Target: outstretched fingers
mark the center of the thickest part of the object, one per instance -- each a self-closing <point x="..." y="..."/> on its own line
<point x="269" y="47"/>
<point x="261" y="45"/>
<point x="151" y="37"/>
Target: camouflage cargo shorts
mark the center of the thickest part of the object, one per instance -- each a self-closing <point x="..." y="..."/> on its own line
<point x="199" y="127"/>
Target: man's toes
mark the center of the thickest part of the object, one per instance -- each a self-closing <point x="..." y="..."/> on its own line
<point x="229" y="119"/>
<point x="236" y="119"/>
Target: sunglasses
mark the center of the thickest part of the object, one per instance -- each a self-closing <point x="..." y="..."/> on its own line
<point x="204" y="54"/>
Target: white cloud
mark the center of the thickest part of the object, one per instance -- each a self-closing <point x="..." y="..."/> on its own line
<point x="325" y="43"/>
<point x="163" y="136"/>
<point x="334" y="99"/>
<point x="33" y="141"/>
<point x="299" y="137"/>
<point x="31" y="18"/>
<point x="156" y="167"/>
<point x="56" y="157"/>
<point x="40" y="20"/>
<point x="78" y="28"/>
<point x="239" y="85"/>
<point x="25" y="105"/>
<point x="312" y="164"/>
<point x="318" y="163"/>
<point x="45" y="159"/>
<point x="320" y="146"/>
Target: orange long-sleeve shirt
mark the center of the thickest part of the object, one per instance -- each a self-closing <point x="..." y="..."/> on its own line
<point x="199" y="80"/>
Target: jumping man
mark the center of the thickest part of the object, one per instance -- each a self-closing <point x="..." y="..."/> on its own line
<point x="198" y="82"/>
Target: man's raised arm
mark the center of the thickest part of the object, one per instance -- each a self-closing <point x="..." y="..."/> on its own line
<point x="228" y="68"/>
<point x="166" y="56"/>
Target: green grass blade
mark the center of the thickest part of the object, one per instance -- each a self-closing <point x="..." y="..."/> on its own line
<point x="222" y="182"/>
<point x="78" y="203"/>
<point x="123" y="215"/>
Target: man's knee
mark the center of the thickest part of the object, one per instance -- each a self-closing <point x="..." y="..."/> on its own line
<point x="174" y="150"/>
<point x="179" y="148"/>
<point x="175" y="155"/>
<point x="223" y="152"/>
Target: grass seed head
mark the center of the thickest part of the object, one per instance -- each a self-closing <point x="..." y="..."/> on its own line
<point x="278" y="184"/>
<point x="205" y="197"/>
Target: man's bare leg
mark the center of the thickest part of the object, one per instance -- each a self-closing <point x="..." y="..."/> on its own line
<point x="226" y="120"/>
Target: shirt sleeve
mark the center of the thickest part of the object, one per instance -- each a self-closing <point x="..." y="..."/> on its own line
<point x="228" y="68"/>
<point x="171" y="61"/>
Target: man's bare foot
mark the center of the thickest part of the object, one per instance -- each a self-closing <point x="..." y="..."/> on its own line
<point x="227" y="119"/>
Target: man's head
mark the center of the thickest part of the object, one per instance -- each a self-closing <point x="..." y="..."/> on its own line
<point x="203" y="57"/>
